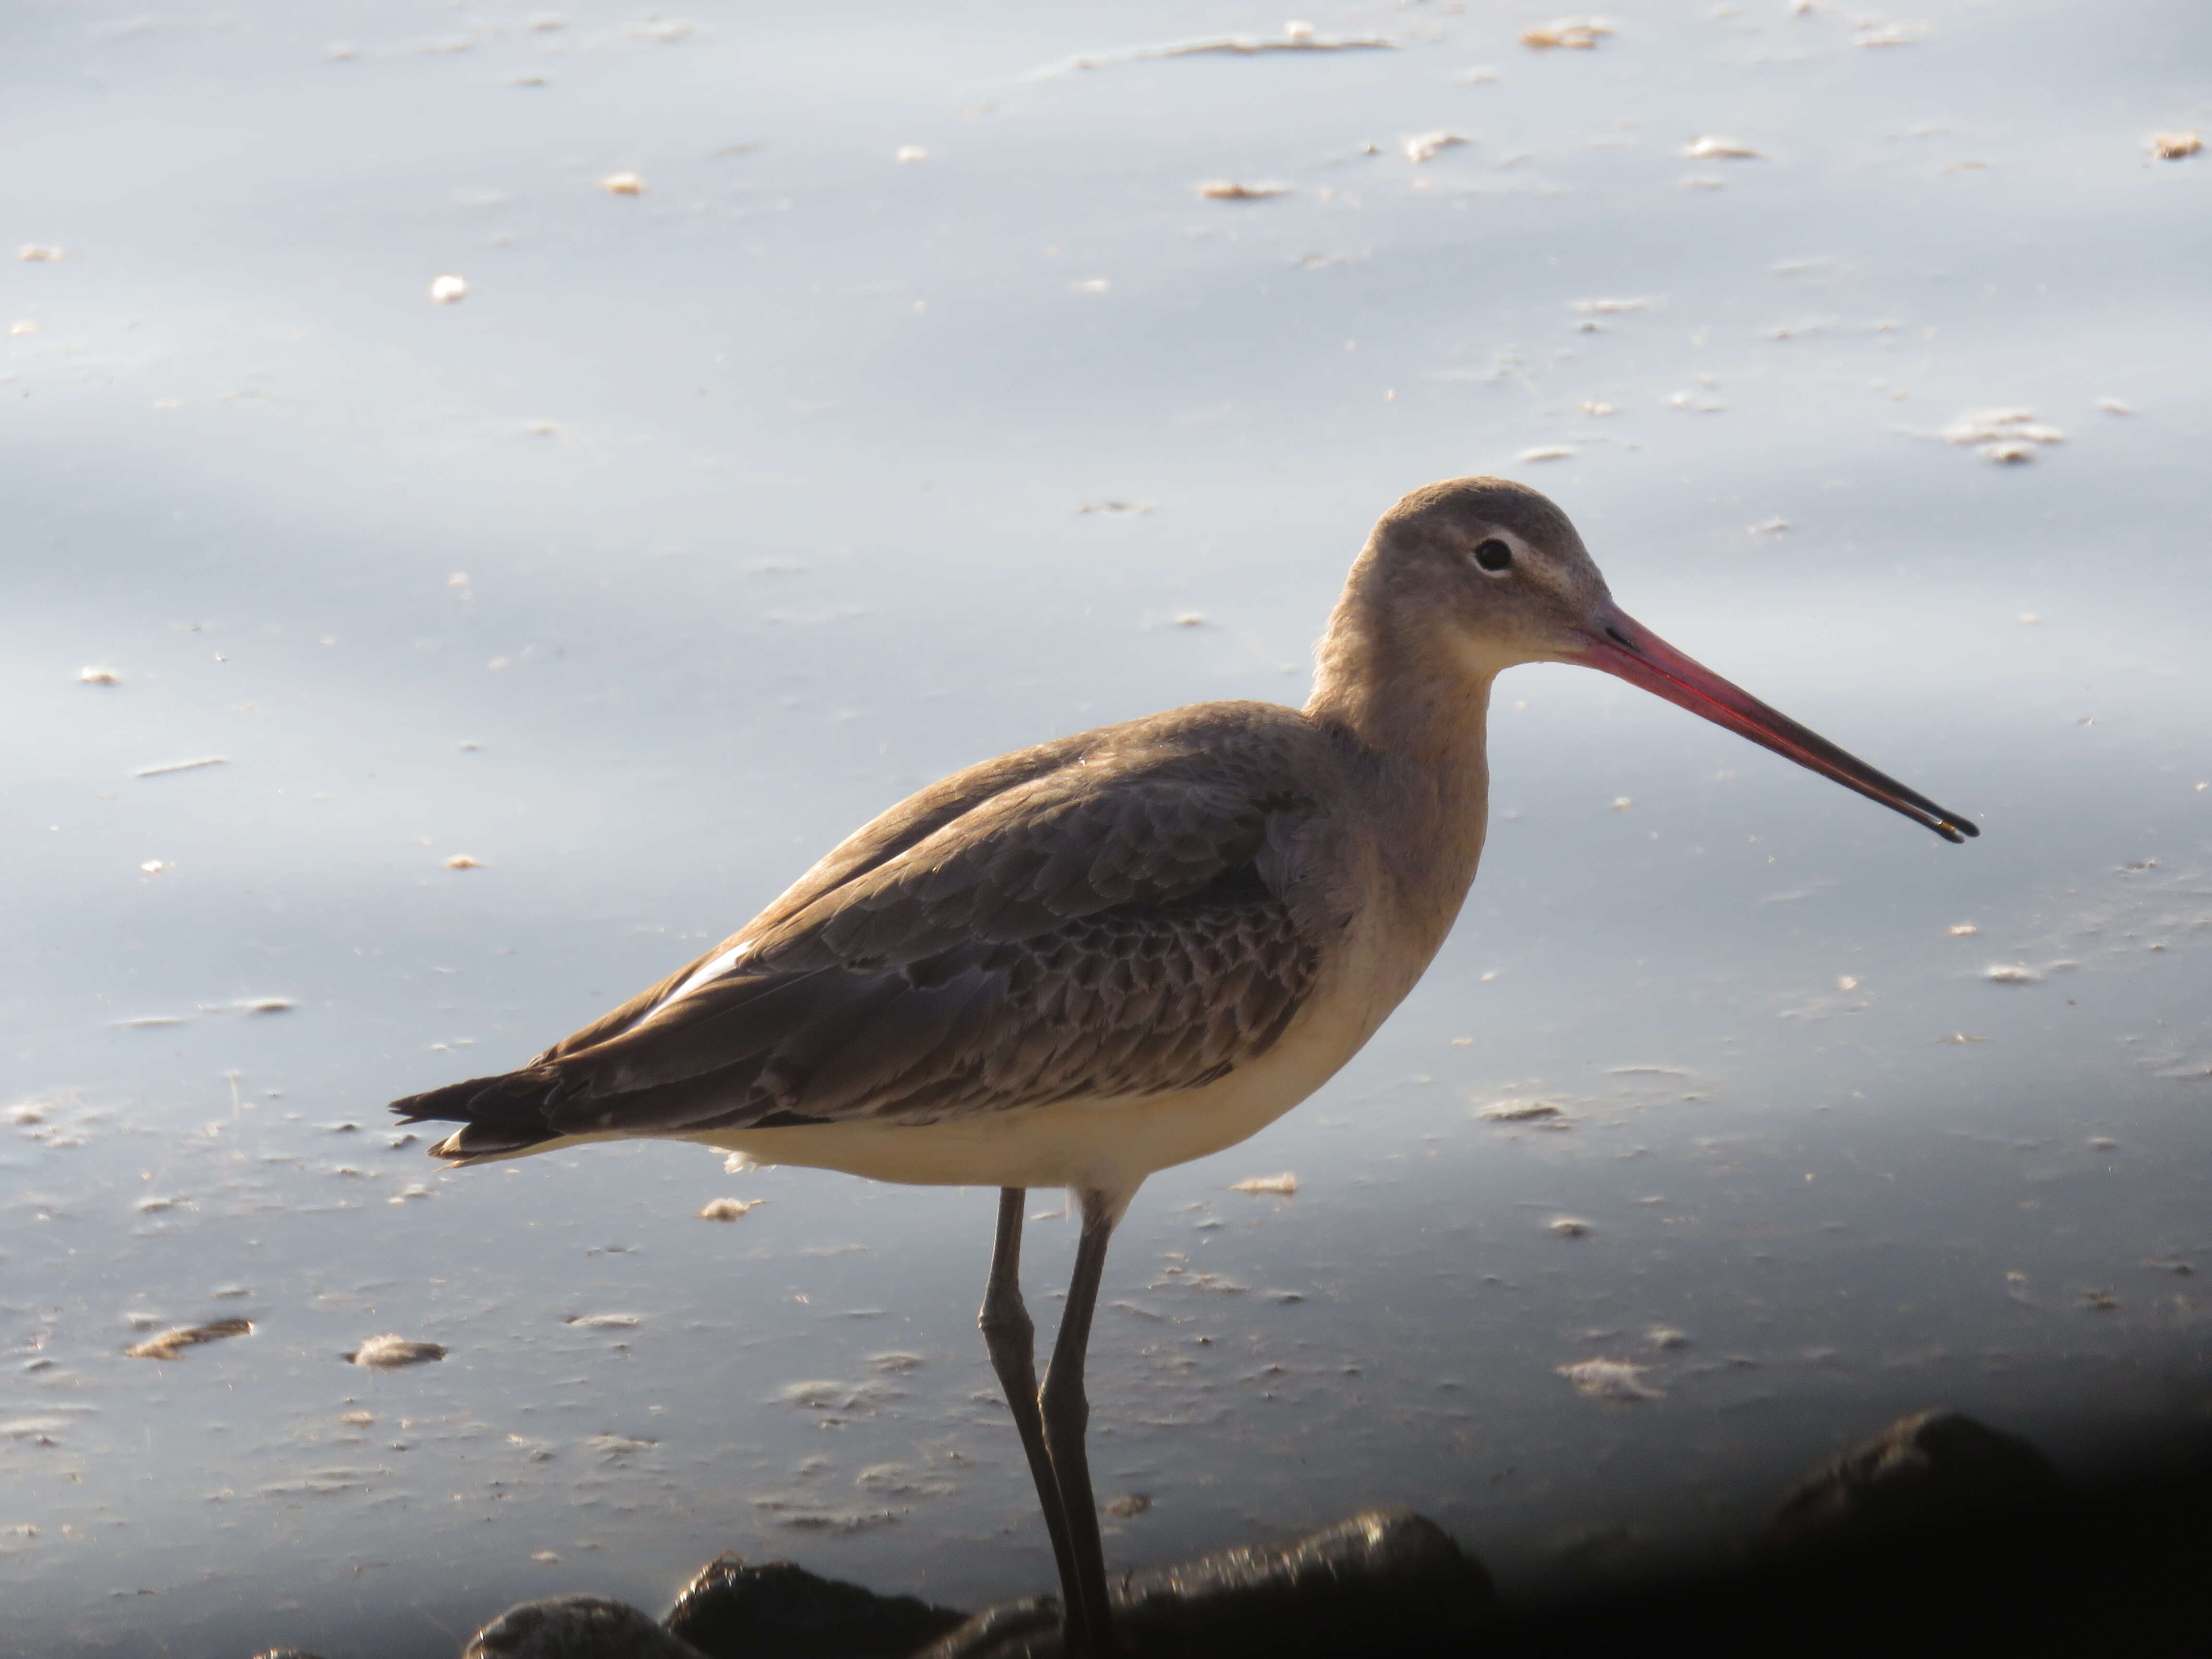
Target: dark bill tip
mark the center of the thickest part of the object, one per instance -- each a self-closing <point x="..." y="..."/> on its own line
<point x="1622" y="646"/>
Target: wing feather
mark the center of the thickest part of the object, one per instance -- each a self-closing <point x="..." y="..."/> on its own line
<point x="1088" y="920"/>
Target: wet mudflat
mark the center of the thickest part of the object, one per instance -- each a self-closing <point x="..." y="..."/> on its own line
<point x="826" y="404"/>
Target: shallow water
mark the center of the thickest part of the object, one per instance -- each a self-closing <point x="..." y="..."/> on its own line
<point x="716" y="518"/>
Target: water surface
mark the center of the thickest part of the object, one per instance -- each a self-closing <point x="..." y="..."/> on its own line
<point x="717" y="517"/>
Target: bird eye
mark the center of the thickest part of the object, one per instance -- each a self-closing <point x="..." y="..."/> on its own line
<point x="1494" y="556"/>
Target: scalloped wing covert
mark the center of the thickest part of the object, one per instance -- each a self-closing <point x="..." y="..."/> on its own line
<point x="1108" y="916"/>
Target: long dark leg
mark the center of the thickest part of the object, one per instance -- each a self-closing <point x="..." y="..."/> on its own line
<point x="1066" y="1413"/>
<point x="1011" y="1340"/>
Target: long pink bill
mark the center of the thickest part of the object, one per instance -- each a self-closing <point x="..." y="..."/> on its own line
<point x="1620" y="645"/>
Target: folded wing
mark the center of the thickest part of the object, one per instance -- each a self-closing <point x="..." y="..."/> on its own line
<point x="1086" y="925"/>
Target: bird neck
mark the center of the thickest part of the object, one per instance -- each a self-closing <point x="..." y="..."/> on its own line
<point x="1400" y="697"/>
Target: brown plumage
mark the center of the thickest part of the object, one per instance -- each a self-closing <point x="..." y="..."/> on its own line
<point x="1117" y="914"/>
<point x="1089" y="960"/>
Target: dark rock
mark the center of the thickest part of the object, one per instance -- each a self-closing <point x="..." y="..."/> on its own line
<point x="778" y="1611"/>
<point x="1919" y="1472"/>
<point x="2117" y="1568"/>
<point x="575" y="1627"/>
<point x="1386" y="1582"/>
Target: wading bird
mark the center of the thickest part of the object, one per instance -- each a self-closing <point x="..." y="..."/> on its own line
<point x="1083" y="961"/>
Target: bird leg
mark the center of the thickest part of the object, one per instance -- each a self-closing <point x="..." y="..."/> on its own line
<point x="1011" y="1340"/>
<point x="1066" y="1413"/>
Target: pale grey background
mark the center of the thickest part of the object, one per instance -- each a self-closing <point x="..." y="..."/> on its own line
<point x="722" y="516"/>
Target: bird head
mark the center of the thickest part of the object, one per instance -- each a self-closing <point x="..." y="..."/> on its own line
<point x="1506" y="572"/>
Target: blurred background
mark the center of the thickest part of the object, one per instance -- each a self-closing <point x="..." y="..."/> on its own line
<point x="489" y="495"/>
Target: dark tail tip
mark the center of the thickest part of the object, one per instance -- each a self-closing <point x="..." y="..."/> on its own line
<point x="497" y="1114"/>
<point x="457" y="1102"/>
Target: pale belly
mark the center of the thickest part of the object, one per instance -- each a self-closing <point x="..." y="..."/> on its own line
<point x="1108" y="1145"/>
